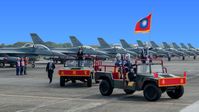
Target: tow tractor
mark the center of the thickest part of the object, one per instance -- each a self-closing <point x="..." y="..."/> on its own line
<point x="151" y="77"/>
<point x="72" y="71"/>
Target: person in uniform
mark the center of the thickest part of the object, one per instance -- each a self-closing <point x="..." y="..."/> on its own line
<point x="50" y="69"/>
<point x="143" y="56"/>
<point x="25" y="65"/>
<point x="80" y="55"/>
<point x="18" y="66"/>
<point x="130" y="68"/>
<point x="118" y="62"/>
<point x="22" y="64"/>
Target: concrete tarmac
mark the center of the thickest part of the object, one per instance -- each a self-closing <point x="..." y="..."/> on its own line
<point x="32" y="93"/>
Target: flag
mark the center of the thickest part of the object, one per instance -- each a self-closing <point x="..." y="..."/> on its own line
<point x="143" y="25"/>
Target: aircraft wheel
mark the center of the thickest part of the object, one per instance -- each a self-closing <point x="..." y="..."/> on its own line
<point x="2" y="64"/>
<point x="183" y="57"/>
<point x="169" y="58"/>
<point x="33" y="65"/>
<point x="105" y="88"/>
<point x="152" y="92"/>
<point x="194" y="57"/>
<point x="176" y="93"/>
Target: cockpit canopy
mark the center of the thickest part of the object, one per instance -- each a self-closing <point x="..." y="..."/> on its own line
<point x="28" y="45"/>
<point x="88" y="47"/>
<point x="41" y="47"/>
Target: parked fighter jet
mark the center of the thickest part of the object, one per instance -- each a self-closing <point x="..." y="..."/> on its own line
<point x="178" y="53"/>
<point x="9" y="60"/>
<point x="161" y="51"/>
<point x="29" y="51"/>
<point x="138" y="50"/>
<point x="71" y="51"/>
<point x="95" y="52"/>
<point x="175" y="46"/>
<point x="104" y="46"/>
<point x="191" y="47"/>
<point x="191" y="50"/>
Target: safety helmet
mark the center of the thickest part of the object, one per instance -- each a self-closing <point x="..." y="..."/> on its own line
<point x="118" y="56"/>
<point x="127" y="56"/>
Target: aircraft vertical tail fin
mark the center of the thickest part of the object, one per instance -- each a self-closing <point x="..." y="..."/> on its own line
<point x="75" y="41"/>
<point x="165" y="45"/>
<point x="103" y="43"/>
<point x="140" y="44"/>
<point x="153" y="44"/>
<point x="125" y="44"/>
<point x="183" y="46"/>
<point x="190" y="46"/>
<point x="175" y="45"/>
<point x="36" y="39"/>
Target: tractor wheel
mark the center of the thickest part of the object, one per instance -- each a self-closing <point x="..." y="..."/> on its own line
<point x="176" y="93"/>
<point x="169" y="58"/>
<point x="128" y="91"/>
<point x="194" y="57"/>
<point x="89" y="82"/>
<point x="62" y="81"/>
<point x="152" y="92"/>
<point x="183" y="57"/>
<point x="105" y="88"/>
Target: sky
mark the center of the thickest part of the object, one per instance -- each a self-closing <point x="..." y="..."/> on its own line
<point x="56" y="20"/>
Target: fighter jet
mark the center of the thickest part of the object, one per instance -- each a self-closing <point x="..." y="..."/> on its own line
<point x="191" y="50"/>
<point x="138" y="50"/>
<point x="104" y="46"/>
<point x="178" y="53"/>
<point x="71" y="51"/>
<point x="9" y="60"/>
<point x="191" y="47"/>
<point x="175" y="46"/>
<point x="29" y="50"/>
<point x="160" y="51"/>
<point x="92" y="51"/>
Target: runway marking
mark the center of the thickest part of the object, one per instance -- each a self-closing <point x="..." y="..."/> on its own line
<point x="40" y="106"/>
<point x="102" y="101"/>
<point x="53" y="98"/>
<point x="191" y="108"/>
<point x="84" y="107"/>
<point x="74" y="109"/>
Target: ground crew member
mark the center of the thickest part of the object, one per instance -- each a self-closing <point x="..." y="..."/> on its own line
<point x="127" y="62"/>
<point x="80" y="55"/>
<point x="50" y="69"/>
<point x="26" y="63"/>
<point x="22" y="64"/>
<point x="18" y="66"/>
<point x="129" y="67"/>
<point x="118" y="62"/>
<point x="143" y="56"/>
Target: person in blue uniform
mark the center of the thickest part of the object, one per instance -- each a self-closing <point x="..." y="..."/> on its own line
<point x="50" y="69"/>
